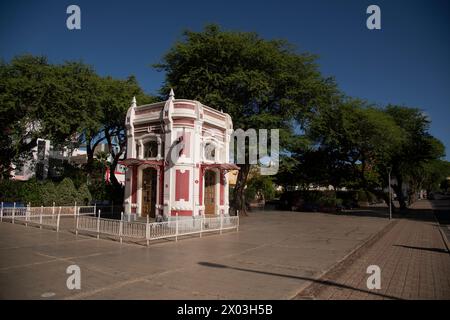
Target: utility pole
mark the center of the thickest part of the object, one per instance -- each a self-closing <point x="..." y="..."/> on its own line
<point x="390" y="193"/>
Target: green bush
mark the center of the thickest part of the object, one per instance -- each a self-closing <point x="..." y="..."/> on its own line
<point x="371" y="197"/>
<point x="260" y="184"/>
<point x="10" y="190"/>
<point x="49" y="194"/>
<point x="327" y="201"/>
<point x="362" y="196"/>
<point x="67" y="193"/>
<point x="84" y="196"/>
<point x="44" y="193"/>
<point x="313" y="197"/>
<point x="31" y="192"/>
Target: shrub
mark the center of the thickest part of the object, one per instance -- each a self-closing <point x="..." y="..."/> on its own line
<point x="84" y="196"/>
<point x="49" y="194"/>
<point x="31" y="192"/>
<point x="67" y="193"/>
<point x="260" y="185"/>
<point x="101" y="191"/>
<point x="10" y="190"/>
<point x="371" y="197"/>
<point x="327" y="201"/>
<point x="362" y="196"/>
<point x="308" y="200"/>
<point x="46" y="193"/>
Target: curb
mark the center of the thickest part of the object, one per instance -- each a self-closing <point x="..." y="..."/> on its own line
<point x="443" y="236"/>
<point x="305" y="291"/>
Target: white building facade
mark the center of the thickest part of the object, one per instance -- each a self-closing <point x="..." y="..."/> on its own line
<point x="177" y="159"/>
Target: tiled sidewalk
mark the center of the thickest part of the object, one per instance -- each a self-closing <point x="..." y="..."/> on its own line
<point x="414" y="262"/>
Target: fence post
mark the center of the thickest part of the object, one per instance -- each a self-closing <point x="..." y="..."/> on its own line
<point x="26" y="214"/>
<point x="40" y="217"/>
<point x="121" y="226"/>
<point x="57" y="220"/>
<point x="14" y="212"/>
<point x="201" y="224"/>
<point x="176" y="226"/>
<point x="237" y="215"/>
<point x="95" y="207"/>
<point x="75" y="209"/>
<point x="221" y="222"/>
<point x="76" y="223"/>
<point x="147" y="232"/>
<point x="98" y="224"/>
<point x="1" y="214"/>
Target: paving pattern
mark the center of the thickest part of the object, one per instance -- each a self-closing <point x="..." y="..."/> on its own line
<point x="413" y="258"/>
<point x="273" y="256"/>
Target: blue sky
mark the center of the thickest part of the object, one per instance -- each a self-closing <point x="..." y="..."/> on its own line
<point x="406" y="62"/>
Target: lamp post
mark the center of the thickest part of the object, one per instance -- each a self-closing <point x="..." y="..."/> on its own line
<point x="389" y="169"/>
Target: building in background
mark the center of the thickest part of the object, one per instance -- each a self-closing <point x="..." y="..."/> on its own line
<point x="47" y="161"/>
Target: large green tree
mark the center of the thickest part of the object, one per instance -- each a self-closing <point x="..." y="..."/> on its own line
<point x="417" y="149"/>
<point x="356" y="144"/>
<point x="114" y="102"/>
<point x="41" y="100"/>
<point x="262" y="84"/>
<point x="352" y="139"/>
<point x="68" y="104"/>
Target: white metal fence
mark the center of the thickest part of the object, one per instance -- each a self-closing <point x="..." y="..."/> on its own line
<point x="43" y="216"/>
<point x="155" y="230"/>
<point x="87" y="221"/>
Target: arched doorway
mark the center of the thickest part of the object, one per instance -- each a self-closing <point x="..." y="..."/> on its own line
<point x="148" y="201"/>
<point x="210" y="192"/>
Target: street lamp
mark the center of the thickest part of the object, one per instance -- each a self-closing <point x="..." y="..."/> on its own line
<point x="389" y="169"/>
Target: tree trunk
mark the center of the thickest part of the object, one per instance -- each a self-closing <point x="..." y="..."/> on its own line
<point x="239" y="188"/>
<point x="399" y="192"/>
<point x="90" y="151"/>
<point x="112" y="170"/>
<point x="90" y="155"/>
<point x="115" y="156"/>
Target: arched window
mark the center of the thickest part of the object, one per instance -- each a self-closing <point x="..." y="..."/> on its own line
<point x="210" y="152"/>
<point x="150" y="149"/>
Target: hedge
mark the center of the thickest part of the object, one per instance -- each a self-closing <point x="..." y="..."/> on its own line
<point x="44" y="193"/>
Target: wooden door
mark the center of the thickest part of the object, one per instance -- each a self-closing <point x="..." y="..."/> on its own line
<point x="148" y="192"/>
<point x="210" y="191"/>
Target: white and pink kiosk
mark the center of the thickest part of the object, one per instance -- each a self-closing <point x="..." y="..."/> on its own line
<point x="177" y="159"/>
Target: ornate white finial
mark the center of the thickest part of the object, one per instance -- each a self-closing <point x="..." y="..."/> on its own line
<point x="171" y="94"/>
<point x="133" y="102"/>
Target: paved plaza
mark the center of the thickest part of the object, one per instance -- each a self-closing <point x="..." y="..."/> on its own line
<point x="412" y="255"/>
<point x="274" y="256"/>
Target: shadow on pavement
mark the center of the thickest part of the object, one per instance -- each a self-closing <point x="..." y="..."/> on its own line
<point x="440" y="210"/>
<point x="422" y="248"/>
<point x="318" y="281"/>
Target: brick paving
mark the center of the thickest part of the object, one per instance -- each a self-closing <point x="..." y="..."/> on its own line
<point x="273" y="256"/>
<point x="412" y="255"/>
